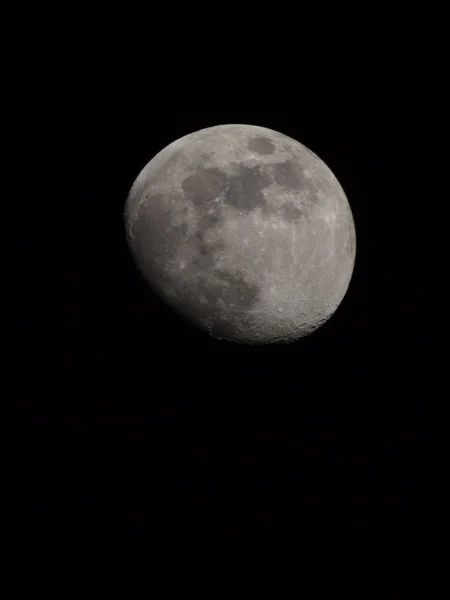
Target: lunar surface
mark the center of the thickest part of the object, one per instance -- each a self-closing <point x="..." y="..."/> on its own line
<point x="243" y="231"/>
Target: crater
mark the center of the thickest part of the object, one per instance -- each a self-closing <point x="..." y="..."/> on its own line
<point x="244" y="190"/>
<point x="204" y="185"/>
<point x="261" y="145"/>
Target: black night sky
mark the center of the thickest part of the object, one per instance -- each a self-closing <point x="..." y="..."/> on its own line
<point x="125" y="423"/>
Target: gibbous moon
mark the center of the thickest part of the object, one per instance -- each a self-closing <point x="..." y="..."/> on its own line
<point x="244" y="232"/>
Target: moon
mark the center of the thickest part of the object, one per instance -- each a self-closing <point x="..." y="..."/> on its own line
<point x="243" y="231"/>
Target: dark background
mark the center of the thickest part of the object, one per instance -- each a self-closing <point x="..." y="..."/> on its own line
<point x="126" y="424"/>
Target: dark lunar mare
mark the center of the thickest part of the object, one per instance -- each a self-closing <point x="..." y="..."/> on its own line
<point x="291" y="176"/>
<point x="244" y="189"/>
<point x="261" y="145"/>
<point x="204" y="185"/>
